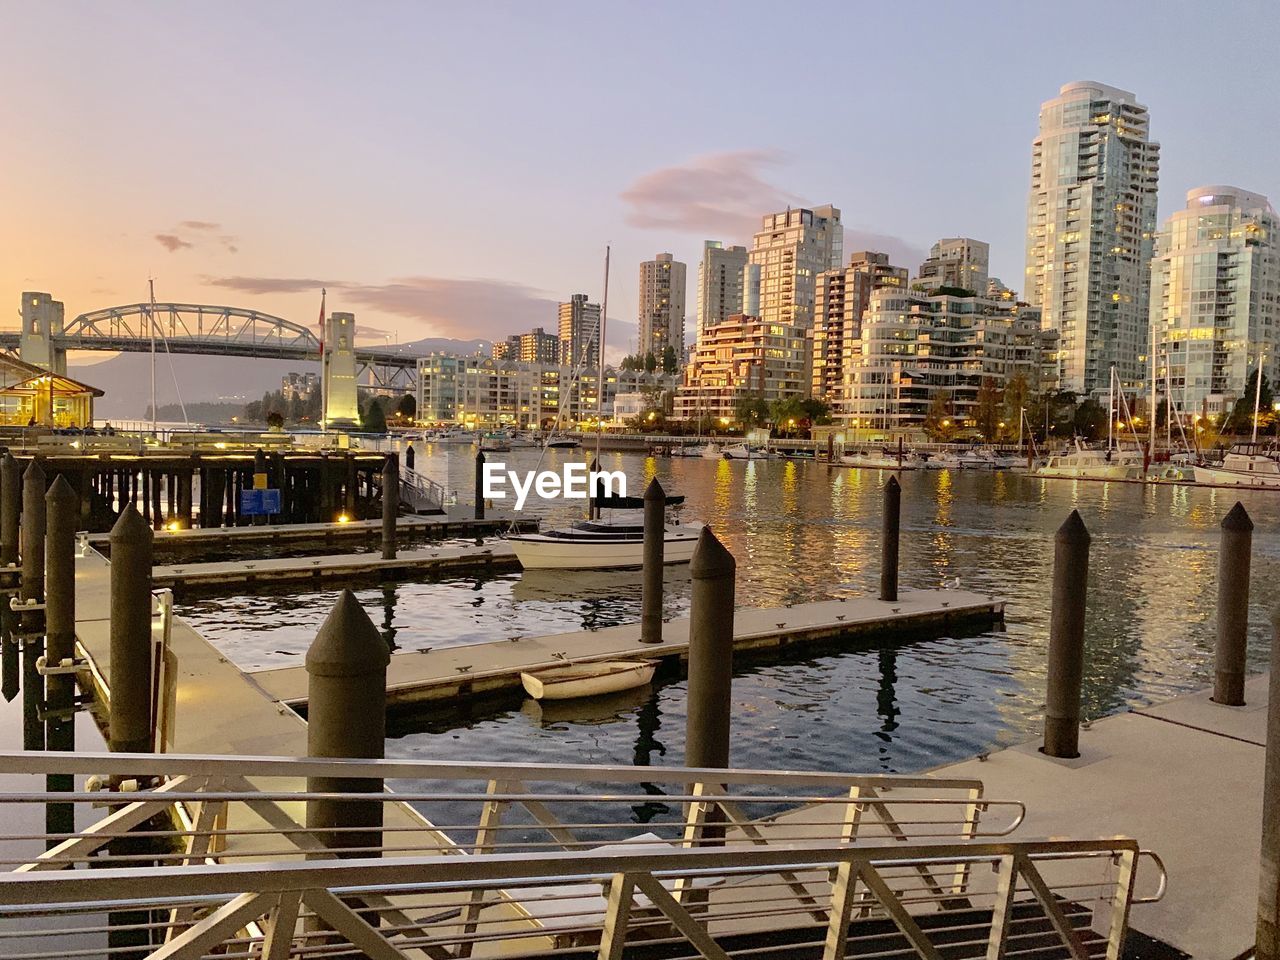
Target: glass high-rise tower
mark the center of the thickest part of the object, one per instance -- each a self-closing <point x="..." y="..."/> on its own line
<point x="1091" y="218"/>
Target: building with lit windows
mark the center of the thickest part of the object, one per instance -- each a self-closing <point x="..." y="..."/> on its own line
<point x="1091" y="218"/>
<point x="536" y="346"/>
<point x="743" y="356"/>
<point x="841" y="298"/>
<point x="1215" y="298"/>
<point x="662" y="298"/>
<point x="958" y="262"/>
<point x="580" y="332"/>
<point x="790" y="250"/>
<point x="723" y="284"/>
<point x="915" y="347"/>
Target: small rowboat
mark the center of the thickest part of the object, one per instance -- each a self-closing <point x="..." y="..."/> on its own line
<point x="588" y="679"/>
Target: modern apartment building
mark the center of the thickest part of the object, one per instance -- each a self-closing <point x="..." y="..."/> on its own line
<point x="722" y="279"/>
<point x="959" y="262"/>
<point x="1215" y="298"/>
<point x="841" y="298"/>
<point x="791" y="249"/>
<point x="580" y="332"/>
<point x="1091" y="218"/>
<point x="536" y="346"/>
<point x="299" y="386"/>
<point x="662" y="299"/>
<point x="915" y="347"/>
<point x="743" y="356"/>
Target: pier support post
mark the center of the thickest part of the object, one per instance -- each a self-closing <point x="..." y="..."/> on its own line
<point x="1233" y="607"/>
<point x="479" y="484"/>
<point x="10" y="508"/>
<point x="889" y="540"/>
<point x="62" y="506"/>
<point x="1268" y="934"/>
<point x="130" y="680"/>
<point x="655" y="512"/>
<point x="347" y="717"/>
<point x="713" y="570"/>
<point x="410" y="457"/>
<point x="1066" y="638"/>
<point x="390" y="505"/>
<point x="32" y="589"/>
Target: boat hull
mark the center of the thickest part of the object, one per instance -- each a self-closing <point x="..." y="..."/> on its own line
<point x="588" y="679"/>
<point x="1232" y="478"/>
<point x="541" y="552"/>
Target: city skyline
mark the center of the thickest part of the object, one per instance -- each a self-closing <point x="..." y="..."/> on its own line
<point x="382" y="178"/>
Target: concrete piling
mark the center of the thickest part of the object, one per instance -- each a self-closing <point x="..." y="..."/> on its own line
<point x="32" y="536"/>
<point x="655" y="511"/>
<point x="130" y="729"/>
<point x="891" y="524"/>
<point x="346" y="717"/>
<point x="1233" y="607"/>
<point x="410" y="456"/>
<point x="10" y="508"/>
<point x="479" y="484"/>
<point x="390" y="505"/>
<point x="714" y="571"/>
<point x="1066" y="638"/>
<point x="62" y="506"/>
<point x="1268" y="933"/>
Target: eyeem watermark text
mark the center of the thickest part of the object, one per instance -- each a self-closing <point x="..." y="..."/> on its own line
<point x="573" y="482"/>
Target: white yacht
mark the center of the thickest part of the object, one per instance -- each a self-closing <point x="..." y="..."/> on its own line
<point x="1252" y="465"/>
<point x="1084" y="463"/>
<point x="742" y="451"/>
<point x="881" y="460"/>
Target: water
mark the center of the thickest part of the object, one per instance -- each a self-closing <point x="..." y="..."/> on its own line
<point x="803" y="531"/>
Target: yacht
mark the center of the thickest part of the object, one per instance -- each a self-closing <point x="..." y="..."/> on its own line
<point x="882" y="460"/>
<point x="1084" y="463"/>
<point x="455" y="436"/>
<point x="742" y="451"/>
<point x="562" y="443"/>
<point x="710" y="451"/>
<point x="1252" y="465"/>
<point x="601" y="544"/>
<point x="495" y="443"/>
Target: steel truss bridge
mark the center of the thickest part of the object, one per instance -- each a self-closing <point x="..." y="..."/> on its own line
<point x="193" y="328"/>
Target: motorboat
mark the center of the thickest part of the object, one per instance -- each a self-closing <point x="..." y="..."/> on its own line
<point x="1084" y="463"/>
<point x="454" y="436"/>
<point x="495" y="443"/>
<point x="965" y="460"/>
<point x="1252" y="465"/>
<point x="884" y="460"/>
<point x="742" y="451"/>
<point x="600" y="544"/>
<point x="711" y="451"/>
<point x="562" y="443"/>
<point x="587" y="679"/>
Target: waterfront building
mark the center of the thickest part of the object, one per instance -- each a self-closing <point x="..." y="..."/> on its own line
<point x="299" y="386"/>
<point x="722" y="279"/>
<point x="959" y="262"/>
<point x="743" y="356"/>
<point x="32" y="396"/>
<point x="791" y="249"/>
<point x="579" y="332"/>
<point x="662" y="299"/>
<point x="841" y="297"/>
<point x="1091" y="217"/>
<point x="1215" y="297"/>
<point x="536" y="346"/>
<point x="915" y="347"/>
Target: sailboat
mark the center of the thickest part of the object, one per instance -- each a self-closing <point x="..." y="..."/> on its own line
<point x="1089" y="463"/>
<point x="598" y="543"/>
<point x="1251" y="465"/>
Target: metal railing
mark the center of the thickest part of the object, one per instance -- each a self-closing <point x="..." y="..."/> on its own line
<point x="215" y="853"/>
<point x="420" y="493"/>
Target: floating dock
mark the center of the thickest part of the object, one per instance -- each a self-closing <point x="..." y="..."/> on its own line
<point x="476" y="668"/>
<point x="469" y="558"/>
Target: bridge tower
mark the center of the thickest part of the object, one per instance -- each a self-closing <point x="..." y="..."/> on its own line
<point x="42" y="319"/>
<point x="341" y="403"/>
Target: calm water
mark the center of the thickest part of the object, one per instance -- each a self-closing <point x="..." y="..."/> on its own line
<point x="804" y="531"/>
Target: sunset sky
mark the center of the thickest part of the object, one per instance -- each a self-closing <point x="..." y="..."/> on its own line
<point x="455" y="169"/>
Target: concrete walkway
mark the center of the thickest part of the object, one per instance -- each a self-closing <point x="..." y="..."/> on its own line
<point x="481" y="667"/>
<point x="1184" y="778"/>
<point x="495" y="556"/>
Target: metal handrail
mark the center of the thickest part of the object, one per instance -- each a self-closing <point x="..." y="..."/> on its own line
<point x="419" y="486"/>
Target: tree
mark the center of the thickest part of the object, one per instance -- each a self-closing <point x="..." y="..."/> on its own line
<point x="408" y="406"/>
<point x="1017" y="394"/>
<point x="1090" y="420"/>
<point x="650" y="362"/>
<point x="374" y="418"/>
<point x="816" y="411"/>
<point x="987" y="410"/>
<point x="275" y="420"/>
<point x="939" y="420"/>
<point x="751" y="410"/>
<point x="1241" y="419"/>
<point x="670" y="362"/>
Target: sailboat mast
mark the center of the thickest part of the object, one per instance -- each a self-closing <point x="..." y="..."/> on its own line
<point x="1151" y="407"/>
<point x="151" y="316"/>
<point x="1257" y="398"/>
<point x="1111" y="404"/>
<point x="604" y="317"/>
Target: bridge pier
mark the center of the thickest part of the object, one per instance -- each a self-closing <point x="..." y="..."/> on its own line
<point x="338" y="370"/>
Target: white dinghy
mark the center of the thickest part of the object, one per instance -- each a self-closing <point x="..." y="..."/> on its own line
<point x="588" y="679"/>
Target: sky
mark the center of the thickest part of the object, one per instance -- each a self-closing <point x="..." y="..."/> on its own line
<point x="455" y="169"/>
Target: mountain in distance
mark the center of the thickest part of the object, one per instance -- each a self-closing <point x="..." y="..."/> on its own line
<point x="126" y="377"/>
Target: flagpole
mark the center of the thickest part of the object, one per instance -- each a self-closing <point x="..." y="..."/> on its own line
<point x="324" y="371"/>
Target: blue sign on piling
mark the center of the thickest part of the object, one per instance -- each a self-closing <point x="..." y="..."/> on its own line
<point x="259" y="503"/>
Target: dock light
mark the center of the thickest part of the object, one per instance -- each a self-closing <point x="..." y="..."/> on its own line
<point x="173" y="525"/>
<point x="343" y="518"/>
<point x="220" y="445"/>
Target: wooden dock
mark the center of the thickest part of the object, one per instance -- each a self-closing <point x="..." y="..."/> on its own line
<point x="471" y="669"/>
<point x="433" y="559"/>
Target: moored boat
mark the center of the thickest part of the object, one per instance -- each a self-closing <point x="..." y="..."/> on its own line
<point x="884" y="460"/>
<point x="1084" y="463"/>
<point x="742" y="451"/>
<point x="587" y="679"/>
<point x="1251" y="465"/>
<point x="598" y="545"/>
